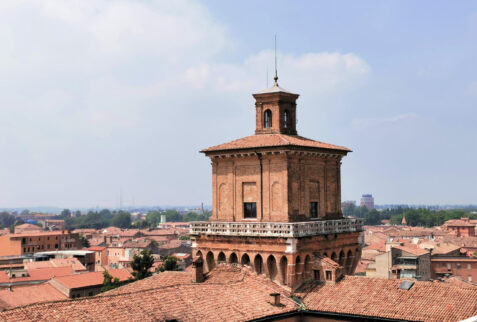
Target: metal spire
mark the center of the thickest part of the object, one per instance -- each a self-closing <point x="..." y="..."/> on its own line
<point x="276" y="73"/>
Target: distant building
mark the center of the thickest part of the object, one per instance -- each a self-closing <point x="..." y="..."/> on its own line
<point x="54" y="224"/>
<point x="461" y="227"/>
<point x="402" y="262"/>
<point x="26" y="228"/>
<point x="367" y="200"/>
<point x="86" y="284"/>
<point x="28" y="243"/>
<point x="463" y="267"/>
<point x="85" y="257"/>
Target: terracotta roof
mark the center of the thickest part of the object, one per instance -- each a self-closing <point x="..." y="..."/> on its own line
<point x="273" y="140"/>
<point x="439" y="248"/>
<point x="172" y="244"/>
<point x="469" y="242"/>
<point x="377" y="246"/>
<point x="91" y="279"/>
<point x="40" y="233"/>
<point x="85" y="230"/>
<point x="376" y="297"/>
<point x="274" y="89"/>
<point x="28" y="226"/>
<point x="245" y="297"/>
<point x="57" y="262"/>
<point x="412" y="250"/>
<point x="330" y="262"/>
<point x="412" y="233"/>
<point x="39" y="274"/>
<point x="137" y="243"/>
<point x="159" y="232"/>
<point x="24" y="295"/>
<point x="459" y="223"/>
<point x="237" y="294"/>
<point x="129" y="233"/>
<point x="97" y="248"/>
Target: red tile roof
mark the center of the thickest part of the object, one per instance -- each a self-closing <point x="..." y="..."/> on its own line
<point x="245" y="297"/>
<point x="39" y="274"/>
<point x="412" y="250"/>
<point x="39" y="234"/>
<point x="237" y="294"/>
<point x="137" y="243"/>
<point x="24" y="295"/>
<point x="91" y="279"/>
<point x="57" y="262"/>
<point x="274" y="140"/>
<point x="159" y="232"/>
<point x="97" y="248"/>
<point x="375" y="297"/>
<point x="172" y="244"/>
<point x="459" y="223"/>
<point x="28" y="226"/>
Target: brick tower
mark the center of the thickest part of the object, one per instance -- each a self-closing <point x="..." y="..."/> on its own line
<point x="277" y="201"/>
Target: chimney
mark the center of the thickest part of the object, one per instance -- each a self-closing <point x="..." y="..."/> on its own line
<point x="275" y="299"/>
<point x="198" y="265"/>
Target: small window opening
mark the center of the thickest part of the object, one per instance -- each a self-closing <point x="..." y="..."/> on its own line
<point x="313" y="209"/>
<point x="268" y="119"/>
<point x="286" y="120"/>
<point x="250" y="210"/>
<point x="329" y="275"/>
<point x="316" y="274"/>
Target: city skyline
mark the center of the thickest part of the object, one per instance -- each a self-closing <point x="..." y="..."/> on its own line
<point x="100" y="98"/>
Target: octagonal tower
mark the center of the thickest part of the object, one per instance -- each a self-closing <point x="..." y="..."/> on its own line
<point x="276" y="199"/>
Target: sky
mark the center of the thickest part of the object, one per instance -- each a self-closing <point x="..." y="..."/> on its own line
<point x="102" y="98"/>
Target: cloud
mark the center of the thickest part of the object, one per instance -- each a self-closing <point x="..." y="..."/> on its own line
<point x="318" y="72"/>
<point x="363" y="122"/>
<point x="95" y="93"/>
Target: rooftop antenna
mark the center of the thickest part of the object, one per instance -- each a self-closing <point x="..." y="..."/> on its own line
<point x="276" y="73"/>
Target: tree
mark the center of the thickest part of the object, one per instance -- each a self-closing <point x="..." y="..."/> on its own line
<point x="141" y="264"/>
<point x="153" y="218"/>
<point x="194" y="216"/>
<point x="169" y="264"/>
<point x="84" y="242"/>
<point x="121" y="220"/>
<point x="140" y="224"/>
<point x="372" y="218"/>
<point x="66" y="213"/>
<point x="109" y="282"/>
<point x="6" y="219"/>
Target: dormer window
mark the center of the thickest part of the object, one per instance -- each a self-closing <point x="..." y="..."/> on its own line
<point x="286" y="119"/>
<point x="267" y="119"/>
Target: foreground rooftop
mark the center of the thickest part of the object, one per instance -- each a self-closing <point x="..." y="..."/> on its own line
<point x="237" y="294"/>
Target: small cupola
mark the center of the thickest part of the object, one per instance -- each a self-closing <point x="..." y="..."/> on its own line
<point x="275" y="111"/>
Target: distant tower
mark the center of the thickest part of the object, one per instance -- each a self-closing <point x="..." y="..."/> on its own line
<point x="404" y="222"/>
<point x="276" y="200"/>
<point x="367" y="200"/>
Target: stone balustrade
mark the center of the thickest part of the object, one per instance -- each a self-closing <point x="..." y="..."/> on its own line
<point x="276" y="229"/>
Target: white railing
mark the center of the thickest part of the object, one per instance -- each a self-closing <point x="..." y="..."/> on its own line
<point x="275" y="229"/>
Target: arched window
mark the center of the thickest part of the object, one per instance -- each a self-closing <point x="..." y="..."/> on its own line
<point x="268" y="119"/>
<point x="286" y="119"/>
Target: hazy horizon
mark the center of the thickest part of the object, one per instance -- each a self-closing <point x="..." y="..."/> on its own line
<point x="102" y="97"/>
